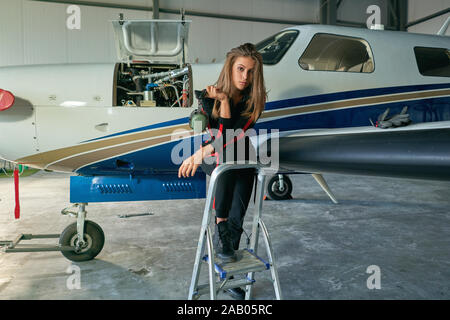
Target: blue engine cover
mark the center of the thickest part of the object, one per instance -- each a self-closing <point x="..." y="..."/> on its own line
<point x="161" y="186"/>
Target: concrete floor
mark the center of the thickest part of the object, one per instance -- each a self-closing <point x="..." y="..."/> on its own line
<point x="323" y="250"/>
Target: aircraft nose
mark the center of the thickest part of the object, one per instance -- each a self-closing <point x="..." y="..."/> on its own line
<point x="6" y="99"/>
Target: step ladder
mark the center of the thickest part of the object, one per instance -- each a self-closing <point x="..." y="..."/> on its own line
<point x="248" y="261"/>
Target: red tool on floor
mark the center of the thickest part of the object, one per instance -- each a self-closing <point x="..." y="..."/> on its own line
<point x="16" y="188"/>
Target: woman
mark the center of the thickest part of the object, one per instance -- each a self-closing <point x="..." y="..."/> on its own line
<point x="235" y="102"/>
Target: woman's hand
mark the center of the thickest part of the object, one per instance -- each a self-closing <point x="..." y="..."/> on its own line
<point x="190" y="165"/>
<point x="215" y="93"/>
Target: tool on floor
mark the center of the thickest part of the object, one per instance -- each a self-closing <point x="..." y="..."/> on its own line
<point x="222" y="276"/>
<point x="16" y="191"/>
<point x="130" y="215"/>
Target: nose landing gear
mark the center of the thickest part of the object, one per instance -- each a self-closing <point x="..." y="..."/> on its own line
<point x="85" y="236"/>
<point x="89" y="248"/>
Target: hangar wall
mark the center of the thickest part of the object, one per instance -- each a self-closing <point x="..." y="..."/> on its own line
<point x="33" y="32"/>
<point x="36" y="32"/>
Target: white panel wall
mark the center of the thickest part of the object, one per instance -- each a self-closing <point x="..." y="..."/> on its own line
<point x="418" y="9"/>
<point x="44" y="39"/>
<point x="11" y="33"/>
<point x="35" y="32"/>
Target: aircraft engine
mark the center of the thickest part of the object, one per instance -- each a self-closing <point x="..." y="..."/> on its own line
<point x="145" y="85"/>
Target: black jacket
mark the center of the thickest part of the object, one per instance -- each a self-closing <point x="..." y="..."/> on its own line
<point x="228" y="132"/>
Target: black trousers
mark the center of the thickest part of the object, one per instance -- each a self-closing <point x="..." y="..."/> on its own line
<point x="233" y="192"/>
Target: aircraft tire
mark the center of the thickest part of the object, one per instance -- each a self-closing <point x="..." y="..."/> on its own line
<point x="93" y="236"/>
<point x="273" y="188"/>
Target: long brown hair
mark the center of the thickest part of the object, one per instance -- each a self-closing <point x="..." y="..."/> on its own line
<point x="257" y="89"/>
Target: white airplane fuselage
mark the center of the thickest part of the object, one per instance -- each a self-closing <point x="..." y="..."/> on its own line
<point x="66" y="118"/>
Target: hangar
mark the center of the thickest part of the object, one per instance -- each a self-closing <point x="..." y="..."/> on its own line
<point x="92" y="91"/>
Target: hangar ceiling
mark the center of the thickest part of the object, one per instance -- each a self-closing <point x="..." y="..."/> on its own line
<point x="395" y="11"/>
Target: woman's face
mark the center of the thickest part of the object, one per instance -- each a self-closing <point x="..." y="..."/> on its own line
<point x="242" y="72"/>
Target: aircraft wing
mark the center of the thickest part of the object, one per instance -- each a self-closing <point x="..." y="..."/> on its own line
<point x="415" y="154"/>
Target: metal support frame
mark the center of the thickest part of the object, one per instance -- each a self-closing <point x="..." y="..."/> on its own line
<point x="328" y="11"/>
<point x="155" y="9"/>
<point x="429" y="17"/>
<point x="397" y="14"/>
<point x="257" y="225"/>
<point x="10" y="246"/>
<point x="323" y="184"/>
<point x="176" y="11"/>
<point x="205" y="239"/>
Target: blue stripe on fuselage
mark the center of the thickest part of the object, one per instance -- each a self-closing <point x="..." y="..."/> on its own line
<point x="153" y="126"/>
<point x="345" y="95"/>
<point x="159" y="157"/>
<point x="300" y="101"/>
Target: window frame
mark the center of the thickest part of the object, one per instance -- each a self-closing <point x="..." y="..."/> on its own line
<point x="284" y="53"/>
<point x="367" y="44"/>
<point x="417" y="63"/>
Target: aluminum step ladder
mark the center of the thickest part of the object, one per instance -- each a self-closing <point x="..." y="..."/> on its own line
<point x="248" y="261"/>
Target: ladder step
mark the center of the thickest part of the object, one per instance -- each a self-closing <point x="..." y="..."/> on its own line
<point x="204" y="288"/>
<point x="247" y="262"/>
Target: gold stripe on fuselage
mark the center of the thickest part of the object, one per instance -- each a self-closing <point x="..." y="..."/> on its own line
<point x="71" y="158"/>
<point x="41" y="160"/>
<point x="81" y="160"/>
<point x="354" y="102"/>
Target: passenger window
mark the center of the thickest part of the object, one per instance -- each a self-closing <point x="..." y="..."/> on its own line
<point x="433" y="62"/>
<point x="328" y="52"/>
<point x="273" y="48"/>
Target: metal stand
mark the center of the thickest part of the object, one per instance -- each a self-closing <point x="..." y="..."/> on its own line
<point x="11" y="245"/>
<point x="248" y="262"/>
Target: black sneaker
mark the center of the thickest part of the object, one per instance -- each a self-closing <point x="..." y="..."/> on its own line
<point x="236" y="293"/>
<point x="227" y="253"/>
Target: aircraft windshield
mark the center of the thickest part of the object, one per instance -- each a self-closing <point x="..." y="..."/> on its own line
<point x="273" y="49"/>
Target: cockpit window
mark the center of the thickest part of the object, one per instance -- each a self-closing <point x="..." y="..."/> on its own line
<point x="273" y="49"/>
<point x="433" y="62"/>
<point x="329" y="52"/>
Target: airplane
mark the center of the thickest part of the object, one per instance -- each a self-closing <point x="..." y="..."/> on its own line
<point x="111" y="124"/>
